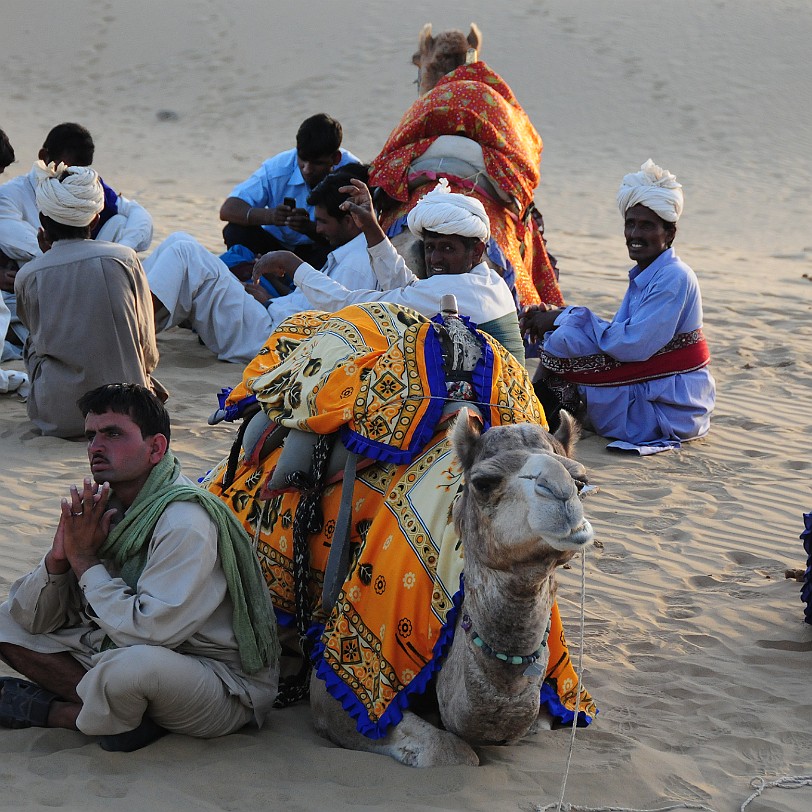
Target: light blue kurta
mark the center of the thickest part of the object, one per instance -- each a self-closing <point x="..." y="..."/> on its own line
<point x="661" y="301"/>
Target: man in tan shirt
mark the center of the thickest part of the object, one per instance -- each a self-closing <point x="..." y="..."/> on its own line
<point x="160" y="622"/>
<point x="85" y="302"/>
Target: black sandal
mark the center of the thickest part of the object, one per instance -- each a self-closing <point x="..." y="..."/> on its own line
<point x="23" y="704"/>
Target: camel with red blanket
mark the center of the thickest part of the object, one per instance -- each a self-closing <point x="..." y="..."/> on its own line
<point x="470" y="129"/>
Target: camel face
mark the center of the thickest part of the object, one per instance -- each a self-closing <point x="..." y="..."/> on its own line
<point x="522" y="493"/>
<point x="437" y="56"/>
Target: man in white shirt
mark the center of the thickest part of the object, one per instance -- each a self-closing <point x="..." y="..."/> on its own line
<point x="454" y="229"/>
<point x="190" y="284"/>
<point x="160" y="622"/>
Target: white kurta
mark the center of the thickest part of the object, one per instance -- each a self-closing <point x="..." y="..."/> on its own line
<point x="481" y="294"/>
<point x="195" y="285"/>
<point x="177" y="656"/>
<point x="19" y="221"/>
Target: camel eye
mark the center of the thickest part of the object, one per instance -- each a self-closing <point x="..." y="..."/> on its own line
<point x="485" y="483"/>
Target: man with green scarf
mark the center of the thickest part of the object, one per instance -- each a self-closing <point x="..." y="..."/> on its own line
<point x="149" y="613"/>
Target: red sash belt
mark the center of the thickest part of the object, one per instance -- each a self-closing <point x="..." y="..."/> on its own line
<point x="685" y="352"/>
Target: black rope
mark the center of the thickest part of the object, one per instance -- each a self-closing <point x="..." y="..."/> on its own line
<point x="307" y="520"/>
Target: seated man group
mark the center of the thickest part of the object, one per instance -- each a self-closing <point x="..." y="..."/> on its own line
<point x="640" y="379"/>
<point x="150" y="587"/>
<point x="120" y="220"/>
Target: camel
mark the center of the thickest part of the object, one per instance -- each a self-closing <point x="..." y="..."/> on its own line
<point x="520" y="517"/>
<point x="468" y="127"/>
<point x="437" y="56"/>
<point x="500" y="505"/>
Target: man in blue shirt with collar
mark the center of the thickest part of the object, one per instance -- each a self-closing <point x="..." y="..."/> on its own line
<point x="269" y="211"/>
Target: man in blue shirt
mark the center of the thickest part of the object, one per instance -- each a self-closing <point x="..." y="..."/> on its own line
<point x="269" y="211"/>
<point x="642" y="377"/>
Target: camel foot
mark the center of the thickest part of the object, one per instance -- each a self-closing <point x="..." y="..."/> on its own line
<point x="413" y="742"/>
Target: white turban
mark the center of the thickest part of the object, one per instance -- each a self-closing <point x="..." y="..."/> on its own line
<point x="446" y="212"/>
<point x="73" y="201"/>
<point x="653" y="187"/>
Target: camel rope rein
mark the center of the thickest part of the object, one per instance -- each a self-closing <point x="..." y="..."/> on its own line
<point x="757" y="784"/>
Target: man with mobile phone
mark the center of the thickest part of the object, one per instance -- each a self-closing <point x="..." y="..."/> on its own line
<point x="269" y="211"/>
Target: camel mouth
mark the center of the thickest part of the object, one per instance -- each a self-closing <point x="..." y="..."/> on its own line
<point x="578" y="538"/>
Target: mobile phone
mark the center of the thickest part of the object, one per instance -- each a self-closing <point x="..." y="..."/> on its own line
<point x="289" y="202"/>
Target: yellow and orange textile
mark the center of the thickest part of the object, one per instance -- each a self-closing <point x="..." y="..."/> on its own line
<point x="475" y="102"/>
<point x="395" y="615"/>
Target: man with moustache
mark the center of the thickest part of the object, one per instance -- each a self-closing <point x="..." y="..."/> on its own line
<point x="149" y="613"/>
<point x="642" y="377"/>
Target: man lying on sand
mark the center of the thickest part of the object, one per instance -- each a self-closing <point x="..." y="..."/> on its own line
<point x="190" y="284"/>
<point x="455" y="229"/>
<point x="642" y="377"/>
<point x="158" y="623"/>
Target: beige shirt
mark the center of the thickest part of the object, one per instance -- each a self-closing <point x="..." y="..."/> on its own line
<point x="88" y="308"/>
<point x="181" y="602"/>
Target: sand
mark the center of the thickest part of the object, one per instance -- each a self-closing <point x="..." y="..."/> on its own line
<point x="694" y="643"/>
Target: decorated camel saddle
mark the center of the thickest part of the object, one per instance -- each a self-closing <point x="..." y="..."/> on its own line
<point x="470" y="129"/>
<point x="347" y="476"/>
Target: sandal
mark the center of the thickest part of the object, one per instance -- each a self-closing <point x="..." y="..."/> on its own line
<point x="23" y="704"/>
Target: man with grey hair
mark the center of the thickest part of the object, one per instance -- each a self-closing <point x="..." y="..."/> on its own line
<point x="85" y="302"/>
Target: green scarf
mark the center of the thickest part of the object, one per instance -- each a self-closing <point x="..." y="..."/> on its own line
<point x="127" y="545"/>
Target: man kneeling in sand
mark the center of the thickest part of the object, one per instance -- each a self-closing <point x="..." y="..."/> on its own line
<point x="158" y="623"/>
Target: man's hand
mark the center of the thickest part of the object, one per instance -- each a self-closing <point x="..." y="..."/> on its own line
<point x="258" y="292"/>
<point x="7" y="276"/>
<point x="536" y="320"/>
<point x="276" y="264"/>
<point x="85" y="524"/>
<point x="279" y="216"/>
<point x="359" y="205"/>
<point x="299" y="220"/>
<point x="56" y="561"/>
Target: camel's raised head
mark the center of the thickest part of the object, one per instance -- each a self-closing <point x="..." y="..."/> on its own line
<point x="521" y="489"/>
<point x="437" y="56"/>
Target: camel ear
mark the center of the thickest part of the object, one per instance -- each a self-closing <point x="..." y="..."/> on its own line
<point x="474" y="37"/>
<point x="568" y="432"/>
<point x="464" y="434"/>
<point x="425" y="39"/>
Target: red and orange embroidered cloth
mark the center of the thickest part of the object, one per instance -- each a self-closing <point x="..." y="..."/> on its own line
<point x="684" y="353"/>
<point x="475" y="102"/>
<point x="371" y="367"/>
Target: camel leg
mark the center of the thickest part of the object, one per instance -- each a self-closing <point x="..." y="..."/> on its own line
<point x="413" y="741"/>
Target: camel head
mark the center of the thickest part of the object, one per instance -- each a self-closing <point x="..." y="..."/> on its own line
<point x="520" y="503"/>
<point x="437" y="56"/>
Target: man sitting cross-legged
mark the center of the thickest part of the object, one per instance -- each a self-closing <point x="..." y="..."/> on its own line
<point x="454" y="229"/>
<point x="271" y="209"/>
<point x="148" y="618"/>
<point x="190" y="284"/>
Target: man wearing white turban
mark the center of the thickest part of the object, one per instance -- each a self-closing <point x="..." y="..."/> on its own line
<point x="454" y="229"/>
<point x="121" y="220"/>
<point x="85" y="302"/>
<point x="642" y="378"/>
